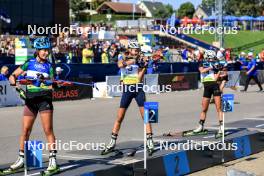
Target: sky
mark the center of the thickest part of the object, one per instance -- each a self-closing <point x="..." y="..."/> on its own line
<point x="175" y="3"/>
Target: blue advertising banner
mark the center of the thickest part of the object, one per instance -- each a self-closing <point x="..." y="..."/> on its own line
<point x="243" y="147"/>
<point x="228" y="102"/>
<point x="33" y="150"/>
<point x="176" y="164"/>
<point x="151" y="113"/>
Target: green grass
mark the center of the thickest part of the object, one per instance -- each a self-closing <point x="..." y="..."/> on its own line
<point x="236" y="40"/>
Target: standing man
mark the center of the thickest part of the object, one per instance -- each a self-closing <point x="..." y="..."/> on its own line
<point x="252" y="72"/>
<point x="4" y="72"/>
<point x="261" y="55"/>
<point x="221" y="54"/>
<point x="59" y="71"/>
<point x="87" y="54"/>
<point x="243" y="60"/>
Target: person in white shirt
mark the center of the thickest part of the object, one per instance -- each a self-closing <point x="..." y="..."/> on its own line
<point x="220" y="54"/>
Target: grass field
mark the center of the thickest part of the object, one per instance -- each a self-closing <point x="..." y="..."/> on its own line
<point x="236" y="40"/>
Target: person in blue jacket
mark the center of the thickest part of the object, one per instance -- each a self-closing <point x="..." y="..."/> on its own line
<point x="252" y="72"/>
<point x="4" y="72"/>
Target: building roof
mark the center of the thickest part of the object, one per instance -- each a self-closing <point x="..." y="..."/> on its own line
<point x="119" y="7"/>
<point x="153" y="6"/>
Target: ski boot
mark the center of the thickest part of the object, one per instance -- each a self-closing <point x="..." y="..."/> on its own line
<point x="198" y="131"/>
<point x="220" y="131"/>
<point x="53" y="168"/>
<point x="150" y="144"/>
<point x="18" y="166"/>
<point x="111" y="146"/>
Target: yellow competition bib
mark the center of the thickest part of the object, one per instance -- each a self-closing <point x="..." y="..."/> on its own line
<point x="208" y="77"/>
<point x="129" y="75"/>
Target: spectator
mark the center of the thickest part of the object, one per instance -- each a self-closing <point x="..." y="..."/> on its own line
<point x="221" y="54"/>
<point x="243" y="60"/>
<point x="185" y="55"/>
<point x="4" y="72"/>
<point x="97" y="50"/>
<point x="113" y="54"/>
<point x="59" y="71"/>
<point x="167" y="54"/>
<point x="261" y="55"/>
<point x="105" y="58"/>
<point x="87" y="54"/>
<point x="228" y="55"/>
<point x="252" y="72"/>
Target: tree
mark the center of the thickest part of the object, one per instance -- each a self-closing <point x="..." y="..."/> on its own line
<point x="209" y="4"/>
<point x="244" y="7"/>
<point x="186" y="9"/>
<point x="76" y="7"/>
<point x="164" y="11"/>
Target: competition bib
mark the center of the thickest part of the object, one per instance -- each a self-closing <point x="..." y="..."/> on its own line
<point x="129" y="75"/>
<point x="208" y="76"/>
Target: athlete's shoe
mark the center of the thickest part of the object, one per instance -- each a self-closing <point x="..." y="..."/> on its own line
<point x="220" y="132"/>
<point x="53" y="168"/>
<point x="260" y="90"/>
<point x="111" y="146"/>
<point x="17" y="166"/>
<point x="199" y="129"/>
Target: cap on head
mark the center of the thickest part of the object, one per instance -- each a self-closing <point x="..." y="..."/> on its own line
<point x="59" y="69"/>
<point x="222" y="49"/>
<point x="243" y="53"/>
<point x="250" y="54"/>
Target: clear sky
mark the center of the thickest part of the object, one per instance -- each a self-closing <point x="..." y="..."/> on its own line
<point x="175" y="3"/>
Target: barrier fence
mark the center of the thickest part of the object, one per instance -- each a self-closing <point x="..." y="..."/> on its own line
<point x="154" y="83"/>
<point x="92" y="70"/>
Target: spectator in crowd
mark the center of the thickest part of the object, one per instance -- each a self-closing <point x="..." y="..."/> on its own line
<point x="4" y="72"/>
<point x="198" y="55"/>
<point x="113" y="53"/>
<point x="158" y="56"/>
<point x="221" y="54"/>
<point x="252" y="72"/>
<point x="105" y="57"/>
<point x="97" y="50"/>
<point x="261" y="55"/>
<point x="59" y="71"/>
<point x="190" y="55"/>
<point x="228" y="55"/>
<point x="87" y="54"/>
<point x="185" y="54"/>
<point x="167" y="54"/>
<point x="243" y="59"/>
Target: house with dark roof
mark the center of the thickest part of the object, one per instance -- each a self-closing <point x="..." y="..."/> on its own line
<point x="149" y="7"/>
<point x="203" y="12"/>
<point x="119" y="8"/>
